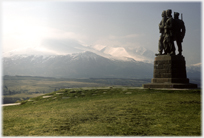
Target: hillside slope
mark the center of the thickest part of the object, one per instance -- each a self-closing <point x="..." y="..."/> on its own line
<point x="104" y="111"/>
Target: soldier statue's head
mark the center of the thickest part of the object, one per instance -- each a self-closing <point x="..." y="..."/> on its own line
<point x="164" y="14"/>
<point x="168" y="13"/>
<point x="176" y="15"/>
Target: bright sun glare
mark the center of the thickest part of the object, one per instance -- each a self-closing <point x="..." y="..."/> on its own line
<point x="24" y="31"/>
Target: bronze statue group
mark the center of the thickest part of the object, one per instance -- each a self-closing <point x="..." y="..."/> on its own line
<point x="171" y="29"/>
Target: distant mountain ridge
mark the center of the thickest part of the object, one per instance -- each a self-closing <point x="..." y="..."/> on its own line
<point x="83" y="65"/>
<point x="194" y="71"/>
<point x="77" y="65"/>
<point x="119" y="53"/>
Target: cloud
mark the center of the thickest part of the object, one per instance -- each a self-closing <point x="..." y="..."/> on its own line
<point x="61" y="34"/>
<point x="128" y="41"/>
<point x="198" y="64"/>
<point x="128" y="36"/>
<point x="63" y="45"/>
<point x="133" y="35"/>
<point x="31" y="51"/>
<point x="99" y="47"/>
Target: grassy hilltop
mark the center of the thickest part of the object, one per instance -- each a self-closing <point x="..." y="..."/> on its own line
<point x="104" y="111"/>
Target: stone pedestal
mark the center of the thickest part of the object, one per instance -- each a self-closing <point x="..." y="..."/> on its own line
<point x="169" y="72"/>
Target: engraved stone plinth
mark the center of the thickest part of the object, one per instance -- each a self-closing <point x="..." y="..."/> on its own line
<point x="170" y="72"/>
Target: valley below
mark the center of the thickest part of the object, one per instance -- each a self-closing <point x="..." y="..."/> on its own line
<point x="17" y="88"/>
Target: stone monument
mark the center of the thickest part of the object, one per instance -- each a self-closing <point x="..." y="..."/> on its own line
<point x="169" y="68"/>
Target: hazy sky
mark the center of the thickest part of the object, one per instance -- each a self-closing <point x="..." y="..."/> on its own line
<point x="59" y="26"/>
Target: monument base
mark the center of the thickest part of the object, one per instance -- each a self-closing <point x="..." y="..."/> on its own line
<point x="170" y="80"/>
<point x="169" y="85"/>
<point x="170" y="72"/>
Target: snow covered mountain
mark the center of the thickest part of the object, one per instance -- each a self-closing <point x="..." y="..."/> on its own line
<point x="106" y="62"/>
<point x="118" y="53"/>
<point x="78" y="65"/>
<point x="121" y="53"/>
<point x="194" y="71"/>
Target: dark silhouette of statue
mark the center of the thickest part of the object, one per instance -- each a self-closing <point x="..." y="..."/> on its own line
<point x="170" y="69"/>
<point x="180" y="31"/>
<point x="171" y="29"/>
<point x="168" y="42"/>
<point x="161" y="30"/>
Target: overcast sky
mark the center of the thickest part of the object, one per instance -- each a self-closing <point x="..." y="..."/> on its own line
<point x="59" y="26"/>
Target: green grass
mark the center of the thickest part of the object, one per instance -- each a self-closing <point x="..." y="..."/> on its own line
<point x="107" y="112"/>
